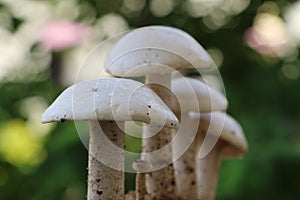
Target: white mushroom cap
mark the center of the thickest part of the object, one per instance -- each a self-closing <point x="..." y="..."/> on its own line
<point x="145" y="50"/>
<point x="231" y="132"/>
<point x="207" y="98"/>
<point x="110" y="99"/>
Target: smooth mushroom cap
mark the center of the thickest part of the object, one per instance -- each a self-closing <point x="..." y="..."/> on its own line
<point x="207" y="98"/>
<point x="145" y="50"/>
<point x="110" y="99"/>
<point x="231" y="132"/>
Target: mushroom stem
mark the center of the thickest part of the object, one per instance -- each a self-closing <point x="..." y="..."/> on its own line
<point x="184" y="166"/>
<point x="185" y="174"/>
<point x="141" y="190"/>
<point x="207" y="170"/>
<point x="161" y="183"/>
<point x="104" y="182"/>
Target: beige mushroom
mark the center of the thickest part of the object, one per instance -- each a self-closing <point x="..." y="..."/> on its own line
<point x="231" y="143"/>
<point x="154" y="52"/>
<point x="192" y="95"/>
<point x="107" y="103"/>
<point x="140" y="184"/>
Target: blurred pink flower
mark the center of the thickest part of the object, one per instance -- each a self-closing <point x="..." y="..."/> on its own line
<point x="268" y="36"/>
<point x="59" y="35"/>
<point x="260" y="43"/>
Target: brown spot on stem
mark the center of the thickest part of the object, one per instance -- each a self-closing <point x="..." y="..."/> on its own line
<point x="189" y="170"/>
<point x="99" y="192"/>
<point x="172" y="182"/>
<point x="95" y="89"/>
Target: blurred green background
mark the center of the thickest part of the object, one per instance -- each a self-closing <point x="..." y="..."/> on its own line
<point x="43" y="43"/>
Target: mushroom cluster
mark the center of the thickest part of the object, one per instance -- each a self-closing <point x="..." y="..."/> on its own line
<point x="172" y="165"/>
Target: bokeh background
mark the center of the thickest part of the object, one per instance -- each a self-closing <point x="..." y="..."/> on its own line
<point x="254" y="43"/>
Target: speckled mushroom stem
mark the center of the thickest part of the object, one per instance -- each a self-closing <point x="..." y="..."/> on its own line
<point x="161" y="183"/>
<point x="207" y="170"/>
<point x="185" y="148"/>
<point x="185" y="174"/>
<point x="141" y="190"/>
<point x="105" y="183"/>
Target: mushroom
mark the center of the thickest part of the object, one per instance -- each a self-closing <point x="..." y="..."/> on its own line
<point x="231" y="143"/>
<point x="192" y="95"/>
<point x="107" y="103"/>
<point x="140" y="184"/>
<point x="154" y="52"/>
